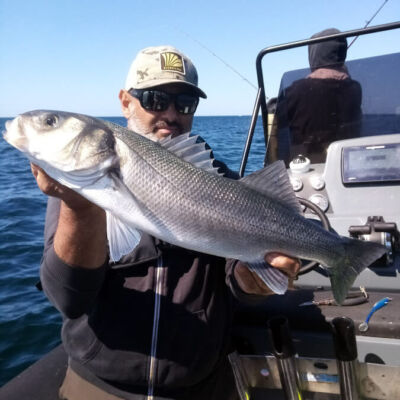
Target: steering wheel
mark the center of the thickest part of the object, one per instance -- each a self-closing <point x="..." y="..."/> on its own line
<point x="325" y="223"/>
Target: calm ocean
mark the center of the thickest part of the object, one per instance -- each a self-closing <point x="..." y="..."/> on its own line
<point x="29" y="325"/>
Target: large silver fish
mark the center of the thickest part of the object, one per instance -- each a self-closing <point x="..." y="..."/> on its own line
<point x="154" y="187"/>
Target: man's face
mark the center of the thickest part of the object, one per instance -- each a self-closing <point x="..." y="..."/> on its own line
<point x="156" y="124"/>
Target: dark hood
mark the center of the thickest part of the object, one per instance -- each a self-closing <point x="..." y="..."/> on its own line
<point x="331" y="53"/>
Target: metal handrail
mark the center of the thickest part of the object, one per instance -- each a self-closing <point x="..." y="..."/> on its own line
<point x="261" y="99"/>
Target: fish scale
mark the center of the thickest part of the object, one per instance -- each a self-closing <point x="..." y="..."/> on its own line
<point x="145" y="187"/>
<point x="224" y="206"/>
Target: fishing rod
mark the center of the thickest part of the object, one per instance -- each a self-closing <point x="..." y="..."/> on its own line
<point x="243" y="77"/>
<point x="219" y="58"/>
<point x="368" y="22"/>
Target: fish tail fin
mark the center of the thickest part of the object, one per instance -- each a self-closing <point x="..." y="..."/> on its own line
<point x="358" y="255"/>
<point x="276" y="280"/>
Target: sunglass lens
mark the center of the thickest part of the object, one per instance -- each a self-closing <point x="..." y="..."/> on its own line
<point x="154" y="100"/>
<point x="186" y="104"/>
<point x="157" y="100"/>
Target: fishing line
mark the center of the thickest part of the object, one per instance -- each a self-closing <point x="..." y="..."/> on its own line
<point x="368" y="22"/>
<point x="243" y="77"/>
<point x="219" y="58"/>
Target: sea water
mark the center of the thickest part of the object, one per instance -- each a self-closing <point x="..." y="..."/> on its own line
<point x="29" y="324"/>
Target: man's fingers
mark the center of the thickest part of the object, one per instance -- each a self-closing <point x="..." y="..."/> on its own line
<point x="290" y="266"/>
<point x="46" y="184"/>
<point x="34" y="169"/>
<point x="249" y="281"/>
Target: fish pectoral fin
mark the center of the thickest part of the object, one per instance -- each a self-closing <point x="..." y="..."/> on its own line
<point x="122" y="238"/>
<point x="273" y="181"/>
<point x="276" y="280"/>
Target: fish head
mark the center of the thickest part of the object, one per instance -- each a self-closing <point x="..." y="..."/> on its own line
<point x="66" y="141"/>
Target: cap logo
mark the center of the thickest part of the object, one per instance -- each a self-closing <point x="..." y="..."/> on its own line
<point x="172" y="62"/>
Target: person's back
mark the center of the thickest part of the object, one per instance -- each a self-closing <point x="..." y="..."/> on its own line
<point x="323" y="107"/>
<point x="320" y="112"/>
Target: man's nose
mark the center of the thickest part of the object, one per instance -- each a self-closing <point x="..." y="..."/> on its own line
<point x="170" y="114"/>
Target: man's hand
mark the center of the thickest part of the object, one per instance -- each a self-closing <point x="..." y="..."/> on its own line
<point x="251" y="283"/>
<point x="80" y="238"/>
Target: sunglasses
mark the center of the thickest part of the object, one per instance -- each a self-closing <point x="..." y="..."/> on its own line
<point x="157" y="100"/>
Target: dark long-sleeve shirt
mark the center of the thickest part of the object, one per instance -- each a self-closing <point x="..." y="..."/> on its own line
<point x="159" y="317"/>
<point x="318" y="112"/>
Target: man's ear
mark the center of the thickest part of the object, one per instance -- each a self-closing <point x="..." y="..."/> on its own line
<point x="125" y="99"/>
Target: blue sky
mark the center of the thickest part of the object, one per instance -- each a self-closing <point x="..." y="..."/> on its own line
<point x="74" y="55"/>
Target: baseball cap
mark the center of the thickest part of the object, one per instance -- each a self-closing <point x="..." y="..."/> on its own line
<point x="160" y="65"/>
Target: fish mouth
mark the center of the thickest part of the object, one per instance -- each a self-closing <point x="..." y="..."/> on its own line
<point x="8" y="127"/>
<point x="6" y="133"/>
<point x="14" y="133"/>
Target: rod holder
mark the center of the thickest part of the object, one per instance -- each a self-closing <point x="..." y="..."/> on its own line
<point x="344" y="340"/>
<point x="284" y="351"/>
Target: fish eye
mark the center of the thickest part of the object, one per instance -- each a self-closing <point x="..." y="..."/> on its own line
<point x="51" y="120"/>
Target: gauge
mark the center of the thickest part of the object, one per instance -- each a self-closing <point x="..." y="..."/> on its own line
<point x="320" y="200"/>
<point x="297" y="183"/>
<point x="317" y="182"/>
<point x="300" y="164"/>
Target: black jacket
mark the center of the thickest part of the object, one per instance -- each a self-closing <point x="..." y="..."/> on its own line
<point x="319" y="112"/>
<point x="109" y="315"/>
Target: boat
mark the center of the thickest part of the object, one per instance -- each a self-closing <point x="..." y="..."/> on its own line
<point x="302" y="345"/>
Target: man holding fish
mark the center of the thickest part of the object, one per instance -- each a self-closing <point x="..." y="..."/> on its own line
<point x="154" y="323"/>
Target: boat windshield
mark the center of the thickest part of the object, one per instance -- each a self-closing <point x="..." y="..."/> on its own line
<point x="317" y="107"/>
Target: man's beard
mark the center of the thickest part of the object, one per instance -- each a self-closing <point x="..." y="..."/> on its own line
<point x="134" y="124"/>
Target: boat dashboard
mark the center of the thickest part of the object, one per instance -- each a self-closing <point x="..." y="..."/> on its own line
<point x="358" y="189"/>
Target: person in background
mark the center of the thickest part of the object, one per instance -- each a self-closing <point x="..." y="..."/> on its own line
<point x="157" y="323"/>
<point x="323" y="107"/>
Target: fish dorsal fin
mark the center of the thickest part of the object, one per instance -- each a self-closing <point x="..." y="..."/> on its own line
<point x="176" y="143"/>
<point x="122" y="238"/>
<point x="274" y="182"/>
<point x="192" y="150"/>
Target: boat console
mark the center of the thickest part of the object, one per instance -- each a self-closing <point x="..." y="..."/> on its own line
<point x="358" y="188"/>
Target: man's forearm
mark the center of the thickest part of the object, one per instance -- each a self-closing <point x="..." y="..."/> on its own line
<point x="81" y="238"/>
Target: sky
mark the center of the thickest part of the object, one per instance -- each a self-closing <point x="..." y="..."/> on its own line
<point x="74" y="55"/>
